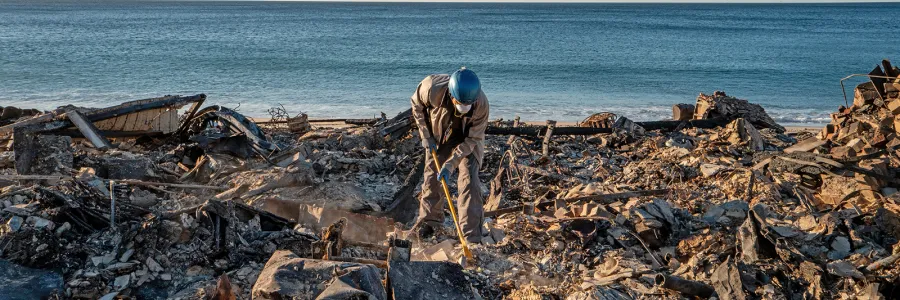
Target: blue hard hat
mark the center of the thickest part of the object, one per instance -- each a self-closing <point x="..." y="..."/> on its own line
<point x="464" y="86"/>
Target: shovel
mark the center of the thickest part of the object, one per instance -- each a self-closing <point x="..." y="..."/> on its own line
<point x="459" y="233"/>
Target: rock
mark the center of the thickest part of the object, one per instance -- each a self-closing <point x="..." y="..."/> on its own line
<point x="10" y="113"/>
<point x="127" y="255"/>
<point x="63" y="228"/>
<point x="844" y="268"/>
<point x="143" y="198"/>
<point x="40" y="223"/>
<point x="428" y="280"/>
<point x="623" y="123"/>
<point x="14" y="223"/>
<point x="103" y="260"/>
<point x="710" y="170"/>
<point x="840" y="248"/>
<point x="122" y="282"/>
<point x="153" y="265"/>
<point x="26" y="283"/>
<point x="287" y="276"/>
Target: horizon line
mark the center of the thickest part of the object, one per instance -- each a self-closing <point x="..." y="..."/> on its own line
<point x="594" y="1"/>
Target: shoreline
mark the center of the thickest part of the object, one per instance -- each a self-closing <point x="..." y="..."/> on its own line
<point x="339" y="124"/>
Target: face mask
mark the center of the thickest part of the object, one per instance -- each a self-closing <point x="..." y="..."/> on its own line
<point x="462" y="108"/>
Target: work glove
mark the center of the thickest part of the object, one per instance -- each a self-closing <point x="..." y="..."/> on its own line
<point x="429" y="144"/>
<point x="445" y="172"/>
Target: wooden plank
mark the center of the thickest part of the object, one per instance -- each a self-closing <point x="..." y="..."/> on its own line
<point x="805" y="145"/>
<point x="119" y="125"/>
<point x="169" y="121"/>
<point x="88" y="129"/>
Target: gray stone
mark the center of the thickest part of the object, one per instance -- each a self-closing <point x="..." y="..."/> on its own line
<point x="21" y="283"/>
<point x="153" y="265"/>
<point x="127" y="255"/>
<point x="840" y="248"/>
<point x="40" y="223"/>
<point x="14" y="223"/>
<point x="122" y="282"/>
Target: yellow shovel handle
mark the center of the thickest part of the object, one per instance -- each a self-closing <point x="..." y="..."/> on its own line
<point x="462" y="240"/>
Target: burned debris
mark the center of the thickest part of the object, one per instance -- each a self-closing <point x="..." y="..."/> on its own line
<point x="165" y="199"/>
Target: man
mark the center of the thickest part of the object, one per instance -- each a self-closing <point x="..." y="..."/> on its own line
<point x="452" y="114"/>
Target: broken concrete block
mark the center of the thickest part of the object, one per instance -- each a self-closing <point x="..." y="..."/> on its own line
<point x="428" y="280"/>
<point x="41" y="154"/>
<point x="897" y="124"/>
<point x="865" y="93"/>
<point x="842" y="152"/>
<point x="891" y="90"/>
<point x="682" y="112"/>
<point x="121" y="168"/>
<point x="287" y="276"/>
<point x="743" y="132"/>
<point x="856" y="144"/>
<point x="27" y="283"/>
<point x="894" y="106"/>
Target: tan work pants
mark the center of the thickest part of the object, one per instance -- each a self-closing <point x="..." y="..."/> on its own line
<point x="469" y="203"/>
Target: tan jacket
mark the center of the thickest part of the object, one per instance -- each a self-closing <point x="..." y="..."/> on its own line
<point x="427" y="110"/>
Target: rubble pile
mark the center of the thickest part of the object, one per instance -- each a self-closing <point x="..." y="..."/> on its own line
<point x="146" y="201"/>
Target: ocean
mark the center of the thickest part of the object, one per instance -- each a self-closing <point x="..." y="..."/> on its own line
<point x="538" y="61"/>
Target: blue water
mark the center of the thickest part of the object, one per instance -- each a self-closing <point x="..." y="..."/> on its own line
<point x="539" y="61"/>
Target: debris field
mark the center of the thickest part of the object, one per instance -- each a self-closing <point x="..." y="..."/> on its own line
<point x="164" y="198"/>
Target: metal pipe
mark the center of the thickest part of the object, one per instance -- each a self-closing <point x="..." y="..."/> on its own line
<point x="844" y="90"/>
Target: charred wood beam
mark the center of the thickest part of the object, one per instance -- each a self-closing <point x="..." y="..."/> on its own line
<point x="191" y="113"/>
<point x="110" y="133"/>
<point x="397" y="126"/>
<point x="87" y="128"/>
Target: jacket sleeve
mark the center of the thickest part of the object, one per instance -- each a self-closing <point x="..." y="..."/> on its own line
<point x="476" y="135"/>
<point x="420" y="102"/>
